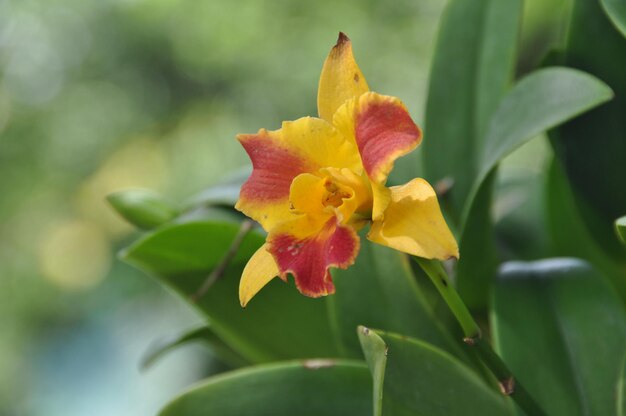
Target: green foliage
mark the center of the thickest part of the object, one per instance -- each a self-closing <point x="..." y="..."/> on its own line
<point x="616" y="11"/>
<point x="468" y="93"/>
<point x="223" y="193"/>
<point x="471" y="70"/>
<point x="380" y="290"/>
<point x="592" y="148"/>
<point x="570" y="236"/>
<point x="478" y="263"/>
<point x="142" y="208"/>
<point x="307" y="388"/>
<point x="621" y="391"/>
<point x="620" y="227"/>
<point x="183" y="255"/>
<point x="412" y="377"/>
<point x="562" y="330"/>
<point x="202" y="334"/>
<point x="489" y="122"/>
<point x="538" y="102"/>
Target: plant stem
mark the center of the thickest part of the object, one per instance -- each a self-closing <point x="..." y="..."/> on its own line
<point x="244" y="229"/>
<point x="439" y="277"/>
<point x="509" y="386"/>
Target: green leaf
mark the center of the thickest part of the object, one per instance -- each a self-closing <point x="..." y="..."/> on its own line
<point x="621" y="390"/>
<point x="380" y="290"/>
<point x="592" y="148"/>
<point x="223" y="193"/>
<point x="616" y="11"/>
<point x="562" y="330"/>
<point x="210" y="213"/>
<point x="620" y="227"/>
<point x="569" y="233"/>
<point x="538" y="102"/>
<point x="472" y="68"/>
<point x="521" y="212"/>
<point x="375" y="352"/>
<point x="535" y="104"/>
<point x="412" y="377"/>
<point x="279" y="324"/>
<point x="202" y="334"/>
<point x="477" y="266"/>
<point x="303" y="388"/>
<point x="142" y="208"/>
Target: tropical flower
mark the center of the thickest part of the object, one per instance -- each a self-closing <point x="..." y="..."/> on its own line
<point x="316" y="181"/>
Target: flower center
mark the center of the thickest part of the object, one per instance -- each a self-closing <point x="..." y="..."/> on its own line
<point x="332" y="192"/>
<point x="334" y="195"/>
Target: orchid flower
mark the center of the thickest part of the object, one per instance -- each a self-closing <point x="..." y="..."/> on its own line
<point x="317" y="181"/>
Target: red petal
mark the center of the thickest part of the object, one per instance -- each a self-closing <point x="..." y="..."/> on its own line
<point x="384" y="131"/>
<point x="308" y="259"/>
<point x="274" y="168"/>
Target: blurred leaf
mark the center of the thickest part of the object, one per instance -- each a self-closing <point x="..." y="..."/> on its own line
<point x="142" y="208"/>
<point x="592" y="148"/>
<point x="210" y="213"/>
<point x="202" y="334"/>
<point x="279" y="324"/>
<point x="472" y="68"/>
<point x="477" y="265"/>
<point x="561" y="329"/>
<point x="380" y="290"/>
<point x="620" y="227"/>
<point x="412" y="377"/>
<point x="519" y="211"/>
<point x="303" y="388"/>
<point x="569" y="233"/>
<point x="621" y="390"/>
<point x="538" y="102"/>
<point x="616" y="11"/>
<point x="224" y="192"/>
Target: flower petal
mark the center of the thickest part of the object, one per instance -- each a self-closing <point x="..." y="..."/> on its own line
<point x="341" y="79"/>
<point x="300" y="146"/>
<point x="319" y="142"/>
<point x="413" y="223"/>
<point x="382" y="130"/>
<point x="261" y="268"/>
<point x="309" y="257"/>
<point x="382" y="197"/>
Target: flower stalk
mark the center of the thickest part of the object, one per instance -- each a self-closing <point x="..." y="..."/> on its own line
<point x="218" y="271"/>
<point x="472" y="336"/>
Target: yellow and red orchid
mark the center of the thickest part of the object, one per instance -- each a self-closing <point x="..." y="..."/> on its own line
<point x="317" y="181"/>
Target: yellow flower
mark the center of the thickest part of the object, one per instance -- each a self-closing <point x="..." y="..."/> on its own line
<point x="317" y="181"/>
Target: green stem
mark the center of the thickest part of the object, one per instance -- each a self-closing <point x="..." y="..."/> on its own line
<point x="439" y="277"/>
<point x="246" y="226"/>
<point x="509" y="386"/>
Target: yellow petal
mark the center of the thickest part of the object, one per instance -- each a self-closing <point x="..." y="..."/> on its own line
<point x="413" y="223"/>
<point x="261" y="268"/>
<point x="341" y="79"/>
<point x="381" y="197"/>
<point x="320" y="143"/>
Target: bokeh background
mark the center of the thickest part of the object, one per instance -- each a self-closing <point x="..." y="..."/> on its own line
<point x="102" y="95"/>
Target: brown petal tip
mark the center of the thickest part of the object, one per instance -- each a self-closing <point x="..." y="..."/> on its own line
<point x="342" y="40"/>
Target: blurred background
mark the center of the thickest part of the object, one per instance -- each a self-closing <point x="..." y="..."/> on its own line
<point x="102" y="95"/>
